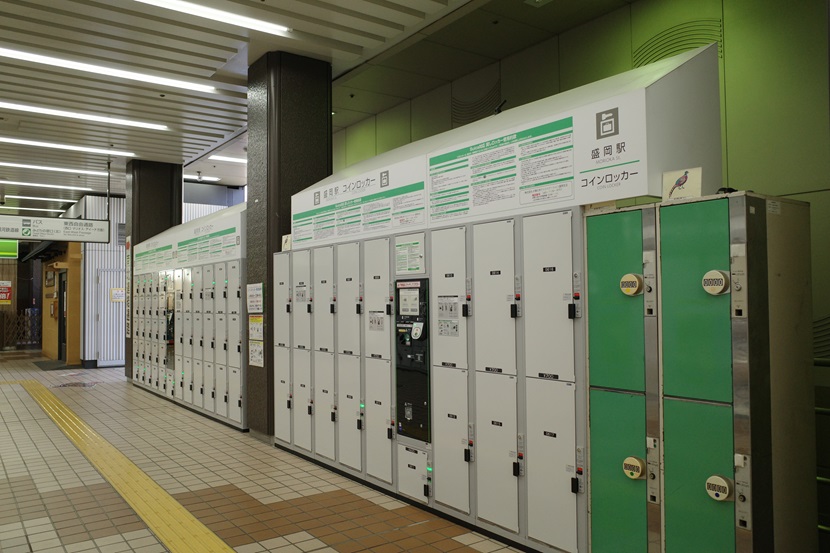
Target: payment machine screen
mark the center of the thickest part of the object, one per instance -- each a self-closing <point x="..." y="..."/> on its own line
<point x="409" y="302"/>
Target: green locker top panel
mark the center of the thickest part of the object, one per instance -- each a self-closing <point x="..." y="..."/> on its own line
<point x="616" y="351"/>
<point x="696" y="326"/>
<point x="697" y="444"/>
<point x="618" y="503"/>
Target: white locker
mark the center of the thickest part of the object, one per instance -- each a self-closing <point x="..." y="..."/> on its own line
<point x="449" y="297"/>
<point x="412" y="473"/>
<point x="301" y="310"/>
<point x="221" y="401"/>
<point x="187" y="290"/>
<point x="198" y="336"/>
<point x="198" y="384"/>
<point x="450" y="438"/>
<point x="177" y="285"/>
<point x="324" y="299"/>
<point x="379" y="429"/>
<point x="142" y="331"/>
<point x="235" y="394"/>
<point x="282" y="394"/>
<point x="220" y="339"/>
<point x="325" y="411"/>
<point x="178" y="371"/>
<point x="187" y="335"/>
<point x="178" y="336"/>
<point x="550" y="463"/>
<point x="209" y="288"/>
<point x="304" y="410"/>
<point x="154" y="376"/>
<point x="350" y="421"/>
<point x="282" y="303"/>
<point x="234" y="341"/>
<point x="154" y="329"/>
<point x="197" y="289"/>
<point x="210" y="386"/>
<point x="496" y="450"/>
<point x="154" y="352"/>
<point x="220" y="290"/>
<point x="378" y="320"/>
<point x="234" y="287"/>
<point x="350" y="302"/>
<point x="172" y="382"/>
<point x="494" y="297"/>
<point x="188" y="380"/>
<point x="548" y="291"/>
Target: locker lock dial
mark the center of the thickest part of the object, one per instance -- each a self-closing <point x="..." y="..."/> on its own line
<point x="631" y="284"/>
<point x="634" y="468"/>
<point x="716" y="282"/>
<point x="720" y="488"/>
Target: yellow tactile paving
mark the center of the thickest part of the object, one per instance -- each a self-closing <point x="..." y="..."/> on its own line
<point x="177" y="529"/>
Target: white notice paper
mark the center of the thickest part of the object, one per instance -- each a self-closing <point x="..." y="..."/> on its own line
<point x="256" y="353"/>
<point x="255" y="299"/>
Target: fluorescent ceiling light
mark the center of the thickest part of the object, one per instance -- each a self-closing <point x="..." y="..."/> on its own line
<point x="230" y="159"/>
<point x="57" y="169"/>
<point x="101" y="70"/>
<point x="56" y="200"/>
<point x="201" y="178"/>
<point x="39" y="185"/>
<point x="55" y="146"/>
<point x="32" y="209"/>
<point x="219" y="15"/>
<point x="83" y="116"/>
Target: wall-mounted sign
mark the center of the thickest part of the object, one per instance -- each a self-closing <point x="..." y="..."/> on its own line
<point x="117" y="295"/>
<point x="54" y="229"/>
<point x="8" y="249"/>
<point x="5" y="292"/>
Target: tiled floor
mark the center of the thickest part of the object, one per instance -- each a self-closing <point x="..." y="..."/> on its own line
<point x="254" y="497"/>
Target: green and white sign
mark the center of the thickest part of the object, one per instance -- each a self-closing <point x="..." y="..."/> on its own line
<point x="54" y="229"/>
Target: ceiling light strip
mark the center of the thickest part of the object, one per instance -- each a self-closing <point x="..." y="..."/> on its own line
<point x="31" y="209"/>
<point x="36" y="198"/>
<point x="41" y="185"/>
<point x="82" y="116"/>
<point x="55" y="146"/>
<point x="219" y="15"/>
<point x="229" y="159"/>
<point x="55" y="169"/>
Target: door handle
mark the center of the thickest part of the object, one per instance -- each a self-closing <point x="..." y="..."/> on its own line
<point x="514" y="310"/>
<point x="333" y="416"/>
<point x="516" y="469"/>
<point x="389" y="433"/>
<point x="359" y="424"/>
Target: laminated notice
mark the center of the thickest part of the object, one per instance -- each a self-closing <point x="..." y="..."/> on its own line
<point x="377" y="321"/>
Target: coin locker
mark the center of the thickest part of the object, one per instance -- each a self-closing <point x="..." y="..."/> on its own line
<point x="302" y="304"/>
<point x="208" y="289"/>
<point x="350" y="300"/>
<point x="234" y="287"/>
<point x="380" y="428"/>
<point x="350" y="416"/>
<point x="377" y="299"/>
<point x="221" y="386"/>
<point x="453" y="445"/>
<point x="325" y="302"/>
<point x="325" y="410"/>
<point x="304" y="408"/>
<point x="220" y="289"/>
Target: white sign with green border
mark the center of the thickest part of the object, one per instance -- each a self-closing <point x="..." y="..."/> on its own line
<point x="54" y="229"/>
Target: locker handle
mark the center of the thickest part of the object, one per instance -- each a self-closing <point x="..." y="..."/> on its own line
<point x="191" y="386"/>
<point x="201" y="343"/>
<point x="181" y="339"/>
<point x="516" y="469"/>
<point x="310" y="410"/>
<point x="333" y="416"/>
<point x="239" y="348"/>
<point x="211" y="345"/>
<point x="358" y="309"/>
<point x="465" y="310"/>
<point x="213" y="394"/>
<point x="359" y="424"/>
<point x="514" y="310"/>
<point x="191" y="340"/>
<point x="288" y="404"/>
<point x="239" y="295"/>
<point x="332" y="309"/>
<point x="226" y="398"/>
<point x="240" y="402"/>
<point x="389" y="433"/>
<point x="288" y="308"/>
<point x="308" y="308"/>
<point x="388" y="308"/>
<point x="572" y="311"/>
<point x="467" y="455"/>
<point x="574" y="485"/>
<point x="426" y="490"/>
<point x="225" y="346"/>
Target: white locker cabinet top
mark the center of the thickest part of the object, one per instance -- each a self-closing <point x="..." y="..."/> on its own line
<point x="349" y="300"/>
<point x="378" y="299"/>
<point x="303" y="301"/>
<point x="324" y="300"/>
<point x="234" y="286"/>
<point x="282" y="394"/>
<point x="282" y="303"/>
<point x="449" y="297"/>
<point x="494" y="289"/>
<point x="548" y="291"/>
<point x="187" y="290"/>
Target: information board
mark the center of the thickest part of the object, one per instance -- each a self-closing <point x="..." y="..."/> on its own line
<point x="54" y="229"/>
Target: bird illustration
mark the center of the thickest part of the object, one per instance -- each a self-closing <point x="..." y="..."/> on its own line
<point x="679" y="183"/>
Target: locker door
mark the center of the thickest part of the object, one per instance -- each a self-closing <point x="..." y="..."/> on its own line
<point x="548" y="291"/>
<point x="178" y="340"/>
<point x="209" y="340"/>
<point x="209" y="287"/>
<point x="493" y="297"/>
<point x="615" y="321"/>
<point x="302" y="398"/>
<point x="498" y="488"/>
<point x="324" y="299"/>
<point x="198" y="384"/>
<point x="179" y="298"/>
<point x="412" y="473"/>
<point x="198" y="338"/>
<point x="235" y="286"/>
<point x="377" y="323"/>
<point x="698" y="444"/>
<point x="282" y="300"/>
<point x="550" y="463"/>
<point x="188" y="380"/>
<point x="324" y="408"/>
<point x="449" y="295"/>
<point x="220" y="296"/>
<point x="172" y="382"/>
<point x="350" y="420"/>
<point x="379" y="429"/>
<point x="349" y="299"/>
<point x="235" y="395"/>
<point x="301" y="310"/>
<point x="618" y="503"/>
<point x="450" y="426"/>
<point x="234" y="341"/>
<point x="220" y="336"/>
<point x="209" y="381"/>
<point x="154" y="329"/>
<point x="282" y="394"/>
<point x="187" y="290"/>
<point x="197" y="289"/>
<point x="697" y="333"/>
<point x="179" y="372"/>
<point x="221" y="403"/>
<point x="187" y="335"/>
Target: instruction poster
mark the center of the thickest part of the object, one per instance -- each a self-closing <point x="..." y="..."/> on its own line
<point x="256" y="353"/>
<point x="409" y="254"/>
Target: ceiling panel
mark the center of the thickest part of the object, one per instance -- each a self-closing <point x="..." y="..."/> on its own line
<point x="394" y="82"/>
<point x="554" y="17"/>
<point x="435" y="60"/>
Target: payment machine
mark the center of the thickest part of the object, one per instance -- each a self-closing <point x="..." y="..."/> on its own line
<point x="412" y="358"/>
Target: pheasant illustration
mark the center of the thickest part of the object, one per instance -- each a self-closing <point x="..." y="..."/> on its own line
<point x="679" y="183"/>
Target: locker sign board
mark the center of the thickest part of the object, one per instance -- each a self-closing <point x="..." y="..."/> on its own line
<point x="54" y="229"/>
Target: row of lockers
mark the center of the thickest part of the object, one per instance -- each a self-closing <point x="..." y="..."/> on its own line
<point x="506" y="442"/>
<point x="211" y="288"/>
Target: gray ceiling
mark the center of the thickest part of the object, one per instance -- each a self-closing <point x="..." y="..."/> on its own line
<point x="383" y="52"/>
